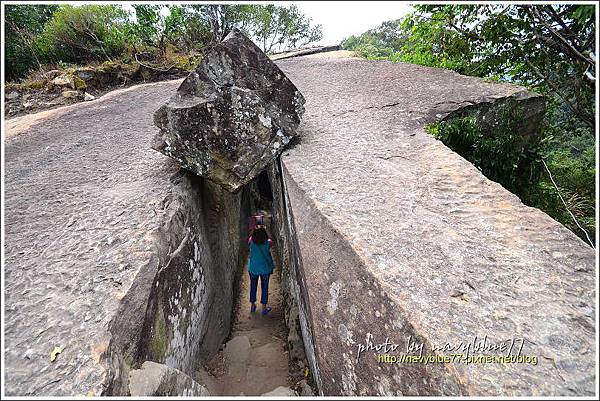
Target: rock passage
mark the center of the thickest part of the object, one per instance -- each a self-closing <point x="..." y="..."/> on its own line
<point x="402" y="225"/>
<point x="254" y="361"/>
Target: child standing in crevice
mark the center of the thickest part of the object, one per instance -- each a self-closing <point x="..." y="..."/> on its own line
<point x="260" y="266"/>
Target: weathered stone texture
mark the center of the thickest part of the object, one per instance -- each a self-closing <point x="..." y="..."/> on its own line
<point x="82" y="194"/>
<point x="106" y="241"/>
<point x="293" y="284"/>
<point x="386" y="232"/>
<point x="155" y="379"/>
<point x="187" y="298"/>
<point x="399" y="236"/>
<point x="189" y="313"/>
<point x="231" y="116"/>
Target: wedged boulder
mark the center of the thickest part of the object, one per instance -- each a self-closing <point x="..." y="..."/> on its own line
<point x="231" y="116"/>
<point x="156" y="379"/>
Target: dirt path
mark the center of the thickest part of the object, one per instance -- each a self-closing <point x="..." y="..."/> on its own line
<point x="254" y="361"/>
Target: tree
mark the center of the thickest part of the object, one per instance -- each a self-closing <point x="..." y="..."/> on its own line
<point x="79" y="34"/>
<point x="271" y="27"/>
<point x="382" y="41"/>
<point x="22" y="25"/>
<point x="195" y="33"/>
<point x="274" y="27"/>
<point x="145" y="30"/>
<point x="222" y="18"/>
<point x="544" y="46"/>
<point x="154" y="26"/>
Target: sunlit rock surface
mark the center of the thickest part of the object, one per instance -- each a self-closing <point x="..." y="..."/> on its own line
<point x="231" y="116"/>
<point x="112" y="252"/>
<point x="155" y="379"/>
<point x="385" y="232"/>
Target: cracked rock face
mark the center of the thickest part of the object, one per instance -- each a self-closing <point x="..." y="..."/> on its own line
<point x="231" y="116"/>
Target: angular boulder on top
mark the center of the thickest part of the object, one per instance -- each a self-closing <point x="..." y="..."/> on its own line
<point x="231" y="116"/>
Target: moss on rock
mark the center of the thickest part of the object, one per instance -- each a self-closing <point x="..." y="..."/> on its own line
<point x="79" y="83"/>
<point x="158" y="343"/>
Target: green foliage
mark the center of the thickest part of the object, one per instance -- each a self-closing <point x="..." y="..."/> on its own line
<point x="146" y="28"/>
<point x="275" y="27"/>
<point x="156" y="26"/>
<point x="76" y="34"/>
<point x="573" y="167"/>
<point x="380" y="42"/>
<point x="502" y="155"/>
<point x="22" y="26"/>
<point x="413" y="40"/>
<point x="84" y="33"/>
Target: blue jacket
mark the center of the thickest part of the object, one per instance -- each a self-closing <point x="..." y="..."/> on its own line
<point x="260" y="261"/>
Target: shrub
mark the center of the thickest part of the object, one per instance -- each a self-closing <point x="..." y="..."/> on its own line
<point x="84" y="33"/>
<point x="502" y="156"/>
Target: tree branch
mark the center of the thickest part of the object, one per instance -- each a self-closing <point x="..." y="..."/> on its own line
<point x="534" y="14"/>
<point x="557" y="91"/>
<point x="550" y="9"/>
<point x="152" y="68"/>
<point x="565" y="204"/>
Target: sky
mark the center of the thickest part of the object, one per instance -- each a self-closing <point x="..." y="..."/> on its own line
<point x="342" y="19"/>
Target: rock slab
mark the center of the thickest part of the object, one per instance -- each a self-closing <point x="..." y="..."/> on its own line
<point x="156" y="379"/>
<point x="231" y="116"/>
<point x="415" y="245"/>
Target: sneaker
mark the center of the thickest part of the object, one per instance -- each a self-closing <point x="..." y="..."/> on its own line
<point x="266" y="310"/>
<point x="252" y="308"/>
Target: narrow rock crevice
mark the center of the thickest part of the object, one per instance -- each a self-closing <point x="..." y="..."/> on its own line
<point x="263" y="355"/>
<point x="196" y="335"/>
<point x="378" y="107"/>
<point x="189" y="285"/>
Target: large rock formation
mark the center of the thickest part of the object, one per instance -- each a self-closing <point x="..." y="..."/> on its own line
<point x="389" y="234"/>
<point x="117" y="257"/>
<point x="231" y="116"/>
<point x="113" y="253"/>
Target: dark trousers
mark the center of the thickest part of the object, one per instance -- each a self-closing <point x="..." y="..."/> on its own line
<point x="264" y="287"/>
